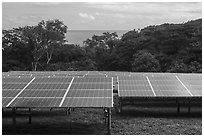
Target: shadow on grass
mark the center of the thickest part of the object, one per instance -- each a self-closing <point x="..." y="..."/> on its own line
<point x="56" y="122"/>
<point x="160" y="112"/>
<point x="60" y="128"/>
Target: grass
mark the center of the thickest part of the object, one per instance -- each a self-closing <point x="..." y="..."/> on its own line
<point x="134" y="120"/>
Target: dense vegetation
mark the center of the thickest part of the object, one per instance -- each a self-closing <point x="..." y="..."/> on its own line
<point x="161" y="48"/>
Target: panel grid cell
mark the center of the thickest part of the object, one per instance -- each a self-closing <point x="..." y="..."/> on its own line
<point x="42" y="93"/>
<point x="52" y="80"/>
<point x="10" y="92"/>
<point x="48" y="86"/>
<point x="167" y="85"/>
<point x="134" y="86"/>
<point x="6" y="100"/>
<point x="36" y="102"/>
<point x="87" y="102"/>
<point x="193" y="83"/>
<point x="15" y="80"/>
<point x="90" y="92"/>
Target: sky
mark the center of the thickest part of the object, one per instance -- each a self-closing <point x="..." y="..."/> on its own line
<point x="100" y="15"/>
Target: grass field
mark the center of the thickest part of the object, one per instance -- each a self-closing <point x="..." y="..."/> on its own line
<point x="135" y="120"/>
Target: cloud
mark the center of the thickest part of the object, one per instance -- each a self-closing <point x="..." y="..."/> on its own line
<point x="22" y="20"/>
<point x="120" y="15"/>
<point x="157" y="8"/>
<point x="97" y="14"/>
<point x="87" y="16"/>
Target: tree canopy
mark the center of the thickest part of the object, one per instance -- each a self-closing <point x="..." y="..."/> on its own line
<point x="160" y="48"/>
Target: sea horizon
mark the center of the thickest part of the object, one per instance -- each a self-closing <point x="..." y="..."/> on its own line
<point x="79" y="36"/>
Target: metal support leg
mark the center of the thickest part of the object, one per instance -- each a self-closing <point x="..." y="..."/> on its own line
<point x="120" y="105"/>
<point x="66" y="111"/>
<point x="29" y="116"/>
<point x="105" y="115"/>
<point x="189" y="106"/>
<point x="178" y="106"/>
<point x="69" y="111"/>
<point x="109" y="121"/>
<point x="14" y="116"/>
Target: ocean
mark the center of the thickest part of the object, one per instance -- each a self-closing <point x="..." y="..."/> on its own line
<point x="78" y="36"/>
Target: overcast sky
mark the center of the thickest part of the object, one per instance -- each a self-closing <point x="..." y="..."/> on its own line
<point x="100" y="16"/>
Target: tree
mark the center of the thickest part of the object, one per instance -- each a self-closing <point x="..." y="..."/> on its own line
<point x="52" y="33"/>
<point x="15" y="51"/>
<point x="44" y="38"/>
<point x="145" y="62"/>
<point x="125" y="49"/>
<point x="100" y="48"/>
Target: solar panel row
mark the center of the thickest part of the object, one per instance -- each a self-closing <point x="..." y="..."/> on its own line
<point x="57" y="88"/>
<point x="57" y="92"/>
<point x="160" y="85"/>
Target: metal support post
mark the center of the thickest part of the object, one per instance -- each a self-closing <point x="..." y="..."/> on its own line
<point x="14" y="116"/>
<point x="120" y="105"/>
<point x="189" y="106"/>
<point x="105" y="115"/>
<point x="109" y="121"/>
<point x="29" y="116"/>
<point x="178" y="106"/>
<point x="69" y="111"/>
<point x="66" y="109"/>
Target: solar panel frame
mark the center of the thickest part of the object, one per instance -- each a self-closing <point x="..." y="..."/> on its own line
<point x="13" y="99"/>
<point x="10" y="92"/>
<point x="90" y="102"/>
<point x="83" y="96"/>
<point x="36" y="102"/>
<point x="172" y="88"/>
<point x="127" y="86"/>
<point x="48" y="90"/>
<point x="192" y="82"/>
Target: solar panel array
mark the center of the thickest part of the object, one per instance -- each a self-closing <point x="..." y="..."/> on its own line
<point x="160" y="85"/>
<point x="92" y="88"/>
<point x="57" y="92"/>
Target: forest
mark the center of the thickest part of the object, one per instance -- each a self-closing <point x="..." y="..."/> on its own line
<point x="175" y="48"/>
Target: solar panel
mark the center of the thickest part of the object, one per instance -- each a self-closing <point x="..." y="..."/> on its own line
<point x="42" y="93"/>
<point x="52" y="80"/>
<point x="10" y="92"/>
<point x="136" y="86"/>
<point x="94" y="89"/>
<point x="160" y="84"/>
<point x="92" y="80"/>
<point x="11" y="88"/>
<point x="90" y="92"/>
<point x="16" y="80"/>
<point x="192" y="82"/>
<point x="57" y="92"/>
<point x="6" y="100"/>
<point x="48" y="90"/>
<point x="36" y="102"/>
<point x="88" y="102"/>
<point x="167" y="85"/>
